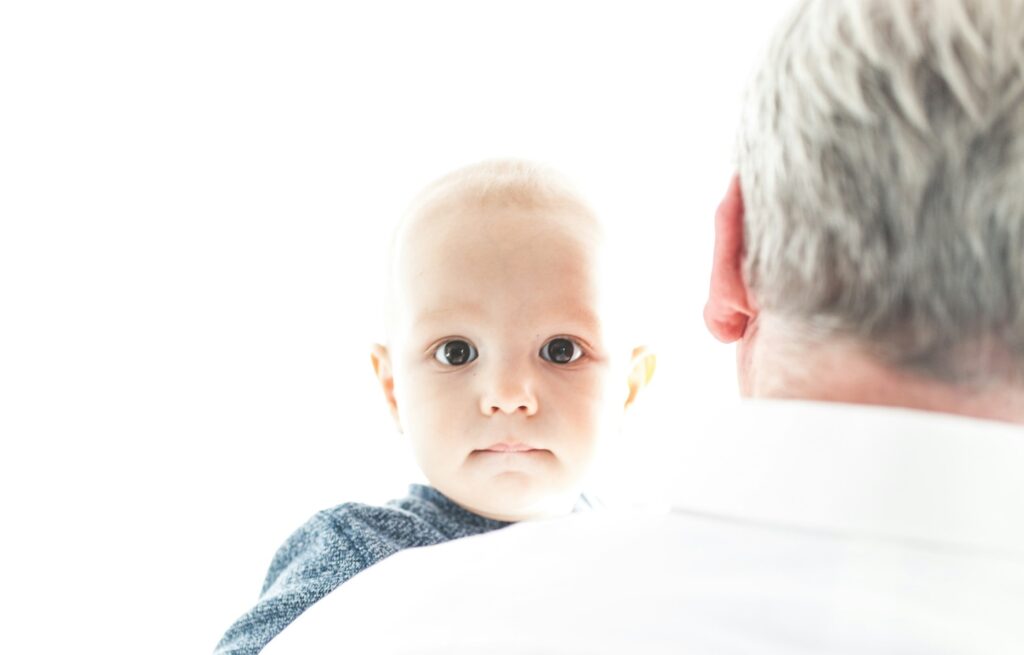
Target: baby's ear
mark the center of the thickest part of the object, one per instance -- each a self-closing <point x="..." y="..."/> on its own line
<point x="382" y="367"/>
<point x="641" y="370"/>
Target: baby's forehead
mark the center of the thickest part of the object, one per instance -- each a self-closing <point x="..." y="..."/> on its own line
<point x="536" y="277"/>
<point x="496" y="245"/>
<point x="493" y="187"/>
<point x="535" y="240"/>
<point x="497" y="220"/>
<point x="470" y="223"/>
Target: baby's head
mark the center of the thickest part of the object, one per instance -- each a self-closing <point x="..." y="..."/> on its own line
<point x="503" y="365"/>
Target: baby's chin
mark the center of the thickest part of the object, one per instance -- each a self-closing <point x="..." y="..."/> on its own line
<point x="514" y="496"/>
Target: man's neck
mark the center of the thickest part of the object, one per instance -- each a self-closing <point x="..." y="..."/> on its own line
<point x="774" y="367"/>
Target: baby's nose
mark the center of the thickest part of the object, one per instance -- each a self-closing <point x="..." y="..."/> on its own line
<point x="527" y="407"/>
<point x="509" y="397"/>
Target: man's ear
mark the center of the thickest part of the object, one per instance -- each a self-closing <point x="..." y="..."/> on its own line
<point x="641" y="370"/>
<point x="729" y="307"/>
<point x="382" y="368"/>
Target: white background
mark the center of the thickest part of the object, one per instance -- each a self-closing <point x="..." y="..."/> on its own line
<point x="195" y="199"/>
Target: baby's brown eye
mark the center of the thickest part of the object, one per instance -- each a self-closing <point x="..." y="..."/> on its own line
<point x="455" y="353"/>
<point x="561" y="351"/>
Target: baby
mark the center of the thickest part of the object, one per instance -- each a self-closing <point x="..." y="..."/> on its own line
<point x="502" y="368"/>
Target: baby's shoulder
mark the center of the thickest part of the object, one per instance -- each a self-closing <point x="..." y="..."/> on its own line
<point x="401" y="523"/>
<point x="361" y="521"/>
<point x="345" y="539"/>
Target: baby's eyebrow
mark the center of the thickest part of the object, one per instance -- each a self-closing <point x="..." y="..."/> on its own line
<point x="440" y="313"/>
<point x="579" y="316"/>
<point x="576" y="320"/>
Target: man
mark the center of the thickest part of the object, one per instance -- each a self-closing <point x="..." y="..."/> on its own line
<point x="869" y="264"/>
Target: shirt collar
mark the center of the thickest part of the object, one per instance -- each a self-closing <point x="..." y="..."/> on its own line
<point x="863" y="470"/>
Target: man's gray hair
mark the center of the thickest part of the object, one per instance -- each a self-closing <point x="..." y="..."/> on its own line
<point x="881" y="157"/>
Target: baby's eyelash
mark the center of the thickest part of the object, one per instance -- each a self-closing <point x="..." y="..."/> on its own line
<point x="563" y="350"/>
<point x="454" y="352"/>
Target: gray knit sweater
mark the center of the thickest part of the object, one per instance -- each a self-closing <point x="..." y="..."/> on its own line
<point x="336" y="544"/>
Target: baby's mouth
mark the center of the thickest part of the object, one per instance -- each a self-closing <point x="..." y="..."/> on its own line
<point x="508" y="447"/>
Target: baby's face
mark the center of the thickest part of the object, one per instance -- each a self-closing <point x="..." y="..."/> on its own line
<point x="503" y="378"/>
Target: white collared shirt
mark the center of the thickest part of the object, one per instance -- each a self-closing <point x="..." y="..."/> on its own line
<point x="799" y="528"/>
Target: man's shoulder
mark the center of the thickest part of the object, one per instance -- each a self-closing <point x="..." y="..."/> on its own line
<point x="680" y="579"/>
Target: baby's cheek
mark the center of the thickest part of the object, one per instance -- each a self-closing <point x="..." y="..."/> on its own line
<point x="583" y="413"/>
<point x="593" y="391"/>
<point x="605" y="404"/>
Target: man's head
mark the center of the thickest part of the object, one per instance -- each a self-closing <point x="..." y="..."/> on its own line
<point x="502" y="366"/>
<point x="878" y="222"/>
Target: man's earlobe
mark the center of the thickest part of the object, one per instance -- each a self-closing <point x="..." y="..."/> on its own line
<point x="382" y="368"/>
<point x="642" y="365"/>
<point x="729" y="307"/>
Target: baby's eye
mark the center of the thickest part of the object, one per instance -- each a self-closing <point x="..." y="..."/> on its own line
<point x="455" y="352"/>
<point x="561" y="351"/>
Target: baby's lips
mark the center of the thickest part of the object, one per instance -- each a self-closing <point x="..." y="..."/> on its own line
<point x="510" y="447"/>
